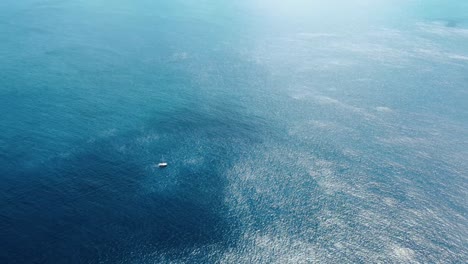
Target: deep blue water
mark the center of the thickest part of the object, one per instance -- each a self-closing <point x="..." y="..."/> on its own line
<point x="298" y="132"/>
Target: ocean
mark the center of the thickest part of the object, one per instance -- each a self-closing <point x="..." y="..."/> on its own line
<point x="294" y="131"/>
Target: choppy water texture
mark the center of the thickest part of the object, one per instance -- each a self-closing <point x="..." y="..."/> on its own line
<point x="299" y="132"/>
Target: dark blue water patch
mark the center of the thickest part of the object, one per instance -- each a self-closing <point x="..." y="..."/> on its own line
<point x="92" y="206"/>
<point x="95" y="206"/>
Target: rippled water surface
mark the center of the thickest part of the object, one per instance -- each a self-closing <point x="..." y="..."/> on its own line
<point x="299" y="132"/>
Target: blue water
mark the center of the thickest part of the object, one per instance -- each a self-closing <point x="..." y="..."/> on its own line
<point x="297" y="132"/>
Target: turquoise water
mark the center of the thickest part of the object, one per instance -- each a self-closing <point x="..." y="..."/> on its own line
<point x="298" y="132"/>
